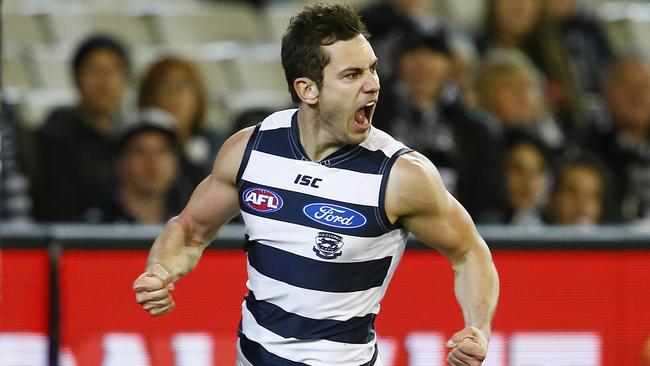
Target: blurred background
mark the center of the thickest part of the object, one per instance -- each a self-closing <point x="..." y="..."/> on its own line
<point x="535" y="112"/>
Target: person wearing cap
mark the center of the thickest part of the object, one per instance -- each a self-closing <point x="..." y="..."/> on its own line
<point x="147" y="168"/>
<point x="422" y="107"/>
<point x="74" y="143"/>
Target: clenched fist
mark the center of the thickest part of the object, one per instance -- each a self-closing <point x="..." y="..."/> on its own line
<point x="468" y="347"/>
<point x="152" y="291"/>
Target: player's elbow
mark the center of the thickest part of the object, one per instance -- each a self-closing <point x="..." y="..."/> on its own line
<point x="475" y="252"/>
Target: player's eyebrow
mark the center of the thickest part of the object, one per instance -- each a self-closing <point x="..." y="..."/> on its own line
<point x="357" y="69"/>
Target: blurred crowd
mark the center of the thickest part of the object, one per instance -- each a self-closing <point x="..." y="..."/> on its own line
<point x="532" y="119"/>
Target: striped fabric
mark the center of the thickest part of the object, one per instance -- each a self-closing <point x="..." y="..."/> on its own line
<point x="15" y="201"/>
<point x="321" y="249"/>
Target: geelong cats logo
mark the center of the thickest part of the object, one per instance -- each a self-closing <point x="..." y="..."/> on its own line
<point x="334" y="215"/>
<point x="262" y="200"/>
<point x="328" y="245"/>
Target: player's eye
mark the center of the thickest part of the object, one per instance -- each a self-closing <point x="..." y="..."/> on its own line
<point x="351" y="76"/>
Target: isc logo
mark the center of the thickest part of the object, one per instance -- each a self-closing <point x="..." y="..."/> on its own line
<point x="262" y="200"/>
<point x="305" y="180"/>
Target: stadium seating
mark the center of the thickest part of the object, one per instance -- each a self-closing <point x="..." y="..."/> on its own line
<point x="52" y="65"/>
<point x="15" y="69"/>
<point x="22" y="29"/>
<point x="234" y="45"/>
<point x="72" y="27"/>
<point x="205" y="24"/>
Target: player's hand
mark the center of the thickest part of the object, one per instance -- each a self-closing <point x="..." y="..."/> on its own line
<point x="468" y="347"/>
<point x="152" y="291"/>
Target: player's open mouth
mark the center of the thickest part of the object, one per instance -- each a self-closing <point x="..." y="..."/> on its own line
<point x="363" y="116"/>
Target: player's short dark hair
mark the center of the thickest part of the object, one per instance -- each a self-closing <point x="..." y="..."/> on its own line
<point x="315" y="26"/>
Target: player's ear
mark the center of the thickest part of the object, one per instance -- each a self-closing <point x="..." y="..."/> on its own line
<point x="307" y="90"/>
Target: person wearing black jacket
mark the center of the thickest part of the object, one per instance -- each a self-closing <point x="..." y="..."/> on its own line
<point x="150" y="187"/>
<point x="389" y="20"/>
<point x="75" y="142"/>
<point x="423" y="110"/>
<point x="622" y="138"/>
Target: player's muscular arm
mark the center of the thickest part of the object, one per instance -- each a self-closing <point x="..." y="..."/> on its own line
<point x="213" y="203"/>
<point x="177" y="250"/>
<point x="417" y="197"/>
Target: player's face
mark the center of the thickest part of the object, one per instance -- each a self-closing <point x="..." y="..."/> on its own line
<point x="350" y="90"/>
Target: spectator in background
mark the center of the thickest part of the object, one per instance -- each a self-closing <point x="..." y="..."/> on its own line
<point x="420" y="108"/>
<point x="579" y="194"/>
<point x="510" y="24"/>
<point x="524" y="25"/>
<point x="147" y="167"/>
<point x="527" y="174"/>
<point x="622" y="139"/>
<point x="74" y="143"/>
<point x="15" y="201"/>
<point x="388" y="21"/>
<point x="509" y="88"/>
<point x="585" y="41"/>
<point x="175" y="85"/>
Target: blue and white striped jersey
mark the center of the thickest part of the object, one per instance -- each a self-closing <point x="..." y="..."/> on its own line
<point x="321" y="249"/>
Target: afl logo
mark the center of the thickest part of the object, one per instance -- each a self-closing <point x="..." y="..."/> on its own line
<point x="262" y="200"/>
<point x="334" y="215"/>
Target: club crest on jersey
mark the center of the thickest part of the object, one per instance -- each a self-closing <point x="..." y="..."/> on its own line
<point x="328" y="245"/>
<point x="262" y="200"/>
<point x="334" y="215"/>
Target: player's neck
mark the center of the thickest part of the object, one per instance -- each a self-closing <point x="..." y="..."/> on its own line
<point x="316" y="140"/>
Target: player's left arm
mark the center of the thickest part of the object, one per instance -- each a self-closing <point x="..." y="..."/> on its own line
<point x="417" y="198"/>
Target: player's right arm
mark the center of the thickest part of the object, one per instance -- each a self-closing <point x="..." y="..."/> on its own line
<point x="417" y="198"/>
<point x="178" y="248"/>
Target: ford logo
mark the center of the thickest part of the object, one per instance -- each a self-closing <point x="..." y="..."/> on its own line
<point x="262" y="200"/>
<point x="334" y="215"/>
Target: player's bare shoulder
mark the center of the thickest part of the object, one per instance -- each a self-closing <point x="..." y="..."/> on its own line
<point x="414" y="186"/>
<point x="230" y="155"/>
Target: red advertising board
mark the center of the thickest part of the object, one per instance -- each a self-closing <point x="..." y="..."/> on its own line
<point x="24" y="307"/>
<point x="24" y="291"/>
<point x="556" y="308"/>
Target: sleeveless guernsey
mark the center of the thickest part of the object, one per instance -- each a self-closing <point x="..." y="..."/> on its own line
<point x="320" y="247"/>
